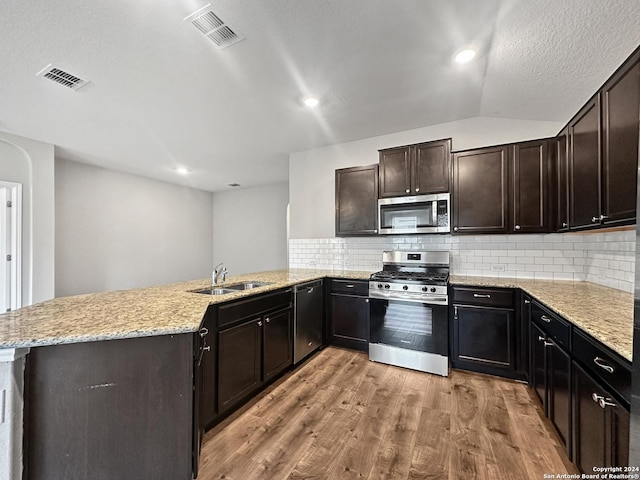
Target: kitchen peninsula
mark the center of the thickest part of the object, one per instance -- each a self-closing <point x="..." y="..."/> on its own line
<point x="124" y="362"/>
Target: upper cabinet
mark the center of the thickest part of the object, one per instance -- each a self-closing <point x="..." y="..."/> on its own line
<point x="480" y="190"/>
<point x="415" y="169"/>
<point x="529" y="194"/>
<point x="603" y="152"/>
<point x="620" y="102"/>
<point x="503" y="189"/>
<point x="357" y="201"/>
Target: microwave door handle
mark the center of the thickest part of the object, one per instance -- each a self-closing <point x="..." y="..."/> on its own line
<point x="434" y="213"/>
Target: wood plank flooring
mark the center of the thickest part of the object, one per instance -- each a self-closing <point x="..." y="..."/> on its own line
<point x="341" y="416"/>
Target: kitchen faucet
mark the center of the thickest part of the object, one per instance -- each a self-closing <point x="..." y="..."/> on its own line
<point x="216" y="274"/>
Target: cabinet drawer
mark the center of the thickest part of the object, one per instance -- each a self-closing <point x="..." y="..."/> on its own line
<point x="553" y="325"/>
<point x="603" y="364"/>
<point x="483" y="296"/>
<point x="351" y="287"/>
<point x="232" y="312"/>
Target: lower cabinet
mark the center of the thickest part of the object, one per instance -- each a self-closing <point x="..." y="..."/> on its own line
<point x="601" y="424"/>
<point x="348" y="324"/>
<point x="486" y="332"/>
<point x="253" y="345"/>
<point x="551" y="371"/>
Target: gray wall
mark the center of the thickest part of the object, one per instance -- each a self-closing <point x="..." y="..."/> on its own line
<point x="250" y="228"/>
<point x="31" y="163"/>
<point x="118" y="231"/>
<point x="312" y="173"/>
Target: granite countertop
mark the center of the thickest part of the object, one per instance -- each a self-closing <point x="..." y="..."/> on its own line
<point x="604" y="313"/>
<point x="161" y="310"/>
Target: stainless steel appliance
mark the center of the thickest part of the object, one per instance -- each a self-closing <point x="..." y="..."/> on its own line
<point x="414" y="214"/>
<point x="309" y="313"/>
<point x="409" y="318"/>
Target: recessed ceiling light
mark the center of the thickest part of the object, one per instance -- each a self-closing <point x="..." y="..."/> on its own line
<point x="311" y="102"/>
<point x="464" y="56"/>
<point x="183" y="170"/>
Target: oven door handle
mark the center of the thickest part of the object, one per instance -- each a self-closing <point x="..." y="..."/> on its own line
<point x="432" y="300"/>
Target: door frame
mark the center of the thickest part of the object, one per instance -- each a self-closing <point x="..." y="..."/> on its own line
<point x="15" y="243"/>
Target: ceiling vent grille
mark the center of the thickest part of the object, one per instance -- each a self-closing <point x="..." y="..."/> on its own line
<point x="215" y="29"/>
<point x="63" y="78"/>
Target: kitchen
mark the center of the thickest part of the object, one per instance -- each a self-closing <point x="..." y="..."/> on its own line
<point x="69" y="261"/>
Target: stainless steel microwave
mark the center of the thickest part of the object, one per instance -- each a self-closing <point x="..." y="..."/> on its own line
<point x="415" y="214"/>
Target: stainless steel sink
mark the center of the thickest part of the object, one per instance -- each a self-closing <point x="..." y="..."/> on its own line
<point x="213" y="291"/>
<point x="230" y="288"/>
<point x="247" y="285"/>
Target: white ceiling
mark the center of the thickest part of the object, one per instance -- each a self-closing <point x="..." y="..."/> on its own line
<point x="162" y="95"/>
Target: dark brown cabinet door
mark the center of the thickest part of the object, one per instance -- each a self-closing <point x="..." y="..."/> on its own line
<point x="349" y="325"/>
<point x="357" y="201"/>
<point x="620" y="122"/>
<point x="590" y="422"/>
<point x="480" y="190"/>
<point x="278" y="342"/>
<point x="562" y="186"/>
<point x="559" y="396"/>
<point x="618" y="432"/>
<point x="538" y="380"/>
<point x="584" y="166"/>
<point x="395" y="172"/>
<point x="530" y="176"/>
<point x="484" y="336"/>
<point x="239" y="362"/>
<point x="431" y="167"/>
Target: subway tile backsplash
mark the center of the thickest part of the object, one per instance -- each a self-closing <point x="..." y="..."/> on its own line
<point x="603" y="258"/>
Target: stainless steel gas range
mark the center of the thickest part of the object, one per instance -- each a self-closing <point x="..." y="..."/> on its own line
<point x="409" y="311"/>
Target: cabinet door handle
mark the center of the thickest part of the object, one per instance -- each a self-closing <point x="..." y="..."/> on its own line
<point x="204" y="331"/>
<point x="267" y="319"/>
<point x="417" y="189"/>
<point x="455" y="229"/>
<point x="527" y="302"/>
<point x="481" y="295"/>
<point x="207" y="348"/>
<point x="366" y="300"/>
<point x="565" y="224"/>
<point x="540" y="338"/>
<point x="595" y="219"/>
<point x="548" y="344"/>
<point x="517" y="227"/>
<point x="259" y="324"/>
<point x="310" y="344"/>
<point x="544" y="318"/>
<point x="603" y="364"/>
<point x="606" y="402"/>
<point x="407" y="191"/>
<point x="350" y="285"/>
<point x="596" y="398"/>
<point x="604" y="217"/>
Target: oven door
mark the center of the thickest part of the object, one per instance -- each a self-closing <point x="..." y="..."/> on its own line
<point x="410" y="325"/>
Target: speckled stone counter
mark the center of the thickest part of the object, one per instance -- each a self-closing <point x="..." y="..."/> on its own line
<point x="143" y="312"/>
<point x="603" y="312"/>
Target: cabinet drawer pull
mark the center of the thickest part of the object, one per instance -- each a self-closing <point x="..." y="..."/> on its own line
<point x="548" y="344"/>
<point x="350" y="285"/>
<point x="544" y="318"/>
<point x="259" y="324"/>
<point x="603" y="364"/>
<point x="596" y="398"/>
<point x="540" y="338"/>
<point x="527" y="302"/>
<point x="595" y="219"/>
<point x="481" y="295"/>
<point x="204" y="331"/>
<point x="267" y="319"/>
<point x="207" y="348"/>
<point x="606" y="402"/>
<point x="604" y="217"/>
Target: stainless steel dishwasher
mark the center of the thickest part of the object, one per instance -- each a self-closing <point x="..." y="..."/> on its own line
<point x="309" y="316"/>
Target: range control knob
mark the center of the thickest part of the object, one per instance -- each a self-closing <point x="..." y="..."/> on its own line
<point x="379" y="285"/>
<point x="387" y="286"/>
<point x="404" y="287"/>
<point x="433" y="289"/>
<point x="424" y="289"/>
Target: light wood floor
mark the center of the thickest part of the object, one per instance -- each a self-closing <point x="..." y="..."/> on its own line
<point x="341" y="416"/>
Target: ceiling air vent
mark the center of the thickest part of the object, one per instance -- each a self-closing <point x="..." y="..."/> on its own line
<point x="209" y="24"/>
<point x="62" y="77"/>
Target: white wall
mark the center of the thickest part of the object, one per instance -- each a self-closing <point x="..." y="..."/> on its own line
<point x="31" y="163"/>
<point x="118" y="231"/>
<point x="312" y="173"/>
<point x="250" y="228"/>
